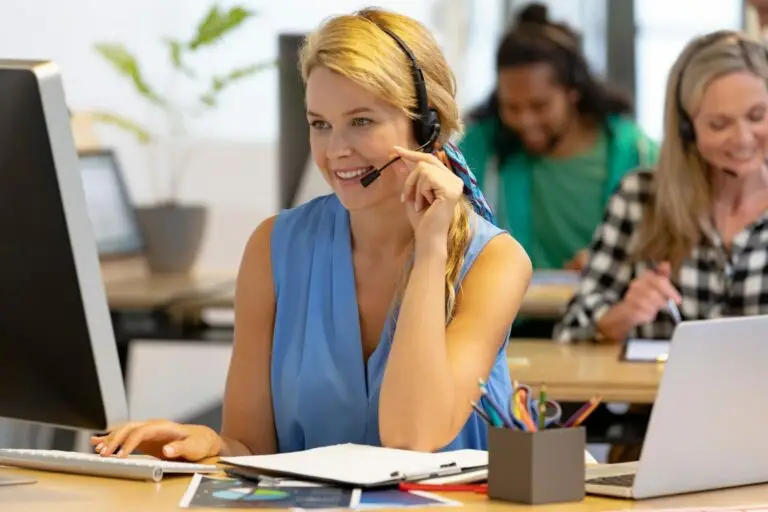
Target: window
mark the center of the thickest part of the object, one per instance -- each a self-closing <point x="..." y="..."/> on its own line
<point x="663" y="30"/>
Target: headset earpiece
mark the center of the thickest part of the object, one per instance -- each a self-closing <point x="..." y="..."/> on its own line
<point x="686" y="130"/>
<point x="429" y="130"/>
<point x="426" y="122"/>
<point x="426" y="125"/>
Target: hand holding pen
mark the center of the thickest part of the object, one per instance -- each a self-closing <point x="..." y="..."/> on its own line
<point x="651" y="292"/>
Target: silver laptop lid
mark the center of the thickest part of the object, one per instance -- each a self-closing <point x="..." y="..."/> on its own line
<point x="707" y="428"/>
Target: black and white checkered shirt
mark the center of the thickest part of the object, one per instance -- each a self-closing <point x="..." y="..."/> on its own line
<point x="712" y="282"/>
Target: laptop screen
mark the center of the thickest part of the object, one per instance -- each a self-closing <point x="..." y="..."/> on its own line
<point x="109" y="207"/>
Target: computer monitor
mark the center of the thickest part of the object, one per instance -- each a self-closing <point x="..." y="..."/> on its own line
<point x="58" y="358"/>
<point x="109" y="205"/>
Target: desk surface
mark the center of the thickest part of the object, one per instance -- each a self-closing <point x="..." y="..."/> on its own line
<point x="73" y="493"/>
<point x="129" y="285"/>
<point x="576" y="372"/>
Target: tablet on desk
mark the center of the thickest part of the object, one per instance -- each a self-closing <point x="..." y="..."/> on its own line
<point x="645" y="350"/>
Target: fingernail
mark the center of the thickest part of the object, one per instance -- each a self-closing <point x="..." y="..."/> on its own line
<point x="99" y="447"/>
<point x="120" y="453"/>
<point x="168" y="451"/>
<point x="402" y="198"/>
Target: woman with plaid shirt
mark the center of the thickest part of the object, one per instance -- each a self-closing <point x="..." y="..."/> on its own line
<point x="694" y="230"/>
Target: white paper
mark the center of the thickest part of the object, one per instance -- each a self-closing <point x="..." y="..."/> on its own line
<point x="646" y="350"/>
<point x="469" y="477"/>
<point x="190" y="492"/>
<point x="286" y="482"/>
<point x="359" y="464"/>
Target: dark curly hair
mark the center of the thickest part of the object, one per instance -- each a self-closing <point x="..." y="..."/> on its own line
<point x="534" y="39"/>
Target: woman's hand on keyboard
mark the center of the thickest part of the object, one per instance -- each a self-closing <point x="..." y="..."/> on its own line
<point x="160" y="438"/>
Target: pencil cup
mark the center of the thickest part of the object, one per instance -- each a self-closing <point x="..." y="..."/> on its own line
<point x="536" y="467"/>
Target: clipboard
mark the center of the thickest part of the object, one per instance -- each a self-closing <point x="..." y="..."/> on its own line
<point x="362" y="466"/>
<point x="644" y="350"/>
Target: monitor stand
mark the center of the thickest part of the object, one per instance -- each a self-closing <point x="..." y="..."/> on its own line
<point x="16" y="480"/>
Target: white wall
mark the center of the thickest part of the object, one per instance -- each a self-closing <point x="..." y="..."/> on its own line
<point x="663" y="30"/>
<point x="234" y="164"/>
<point x="588" y="17"/>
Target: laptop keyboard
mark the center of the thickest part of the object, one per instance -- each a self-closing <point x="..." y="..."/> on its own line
<point x="626" y="480"/>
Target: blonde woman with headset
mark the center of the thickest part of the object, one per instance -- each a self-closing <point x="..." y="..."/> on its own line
<point x="689" y="237"/>
<point x="366" y="316"/>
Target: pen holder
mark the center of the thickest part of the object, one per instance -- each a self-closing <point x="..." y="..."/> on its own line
<point x="536" y="467"/>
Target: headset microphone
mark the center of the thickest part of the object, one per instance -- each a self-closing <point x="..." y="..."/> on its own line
<point x="426" y="121"/>
<point x="372" y="176"/>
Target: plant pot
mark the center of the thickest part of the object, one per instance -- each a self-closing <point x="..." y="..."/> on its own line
<point x="173" y="234"/>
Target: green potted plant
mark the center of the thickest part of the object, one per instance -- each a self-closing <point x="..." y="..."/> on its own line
<point x="173" y="231"/>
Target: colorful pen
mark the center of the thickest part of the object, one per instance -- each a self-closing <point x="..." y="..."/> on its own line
<point x="494" y="405"/>
<point x="671" y="306"/>
<point x="478" y="488"/>
<point x="481" y="413"/>
<point x="515" y="407"/>
<point x="491" y="412"/>
<point x="582" y="413"/>
<point x="542" y="416"/>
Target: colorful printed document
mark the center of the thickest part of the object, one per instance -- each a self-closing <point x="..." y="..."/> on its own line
<point x="206" y="491"/>
<point x="395" y="498"/>
<point x="212" y="492"/>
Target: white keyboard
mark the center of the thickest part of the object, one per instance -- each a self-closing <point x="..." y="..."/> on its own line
<point x="136" y="468"/>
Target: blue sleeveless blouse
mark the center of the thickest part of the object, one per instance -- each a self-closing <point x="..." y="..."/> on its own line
<point x="323" y="391"/>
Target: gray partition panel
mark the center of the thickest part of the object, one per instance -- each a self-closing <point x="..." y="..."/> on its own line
<point x="293" y="133"/>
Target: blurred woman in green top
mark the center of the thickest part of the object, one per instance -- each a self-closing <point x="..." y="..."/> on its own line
<point x="552" y="143"/>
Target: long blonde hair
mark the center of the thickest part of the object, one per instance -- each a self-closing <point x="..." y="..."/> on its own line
<point x="356" y="47"/>
<point x="682" y="191"/>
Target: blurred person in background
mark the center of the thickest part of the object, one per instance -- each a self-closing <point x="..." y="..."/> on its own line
<point x="552" y="142"/>
<point x="687" y="239"/>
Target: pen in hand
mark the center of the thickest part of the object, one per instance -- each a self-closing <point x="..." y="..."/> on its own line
<point x="671" y="306"/>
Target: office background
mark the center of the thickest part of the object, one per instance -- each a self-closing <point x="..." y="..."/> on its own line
<point x="235" y="167"/>
<point x="235" y="163"/>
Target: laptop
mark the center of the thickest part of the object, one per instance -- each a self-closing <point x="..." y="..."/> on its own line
<point x="110" y="207"/>
<point x="708" y="425"/>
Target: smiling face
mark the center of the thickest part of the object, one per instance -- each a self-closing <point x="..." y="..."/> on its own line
<point x="535" y="106"/>
<point x="352" y="131"/>
<point x="731" y="123"/>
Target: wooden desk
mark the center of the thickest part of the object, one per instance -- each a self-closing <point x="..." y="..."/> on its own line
<point x="549" y="293"/>
<point x="546" y="300"/>
<point x="576" y="372"/>
<point x="73" y="493"/>
<point x="130" y="286"/>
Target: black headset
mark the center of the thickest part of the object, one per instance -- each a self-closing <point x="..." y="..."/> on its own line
<point x="426" y="125"/>
<point x="685" y="123"/>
